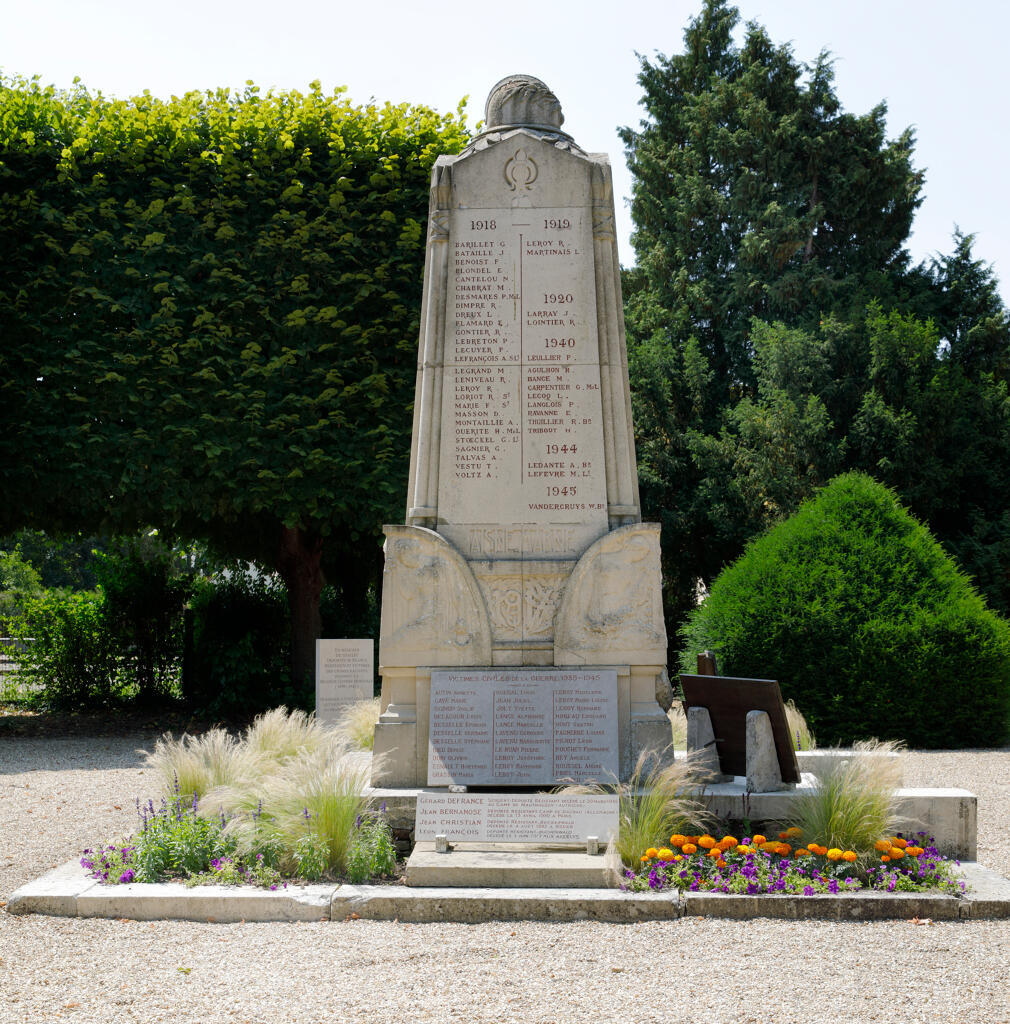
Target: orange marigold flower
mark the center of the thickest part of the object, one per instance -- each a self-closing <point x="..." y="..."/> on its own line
<point x="677" y="839"/>
<point x="689" y="848"/>
<point x="897" y="852"/>
<point x="652" y="852"/>
<point x="692" y="839"/>
<point x="784" y="849"/>
<point x="899" y="843"/>
<point x="730" y="840"/>
<point x="720" y="863"/>
<point x="849" y="855"/>
<point x="758" y="841"/>
<point x="834" y="853"/>
<point x="885" y="858"/>
<point x="882" y="845"/>
<point x="715" y="852"/>
<point x="665" y="854"/>
<point x="645" y="857"/>
<point x="783" y="835"/>
<point x="706" y="842"/>
<point x="802" y="853"/>
<point x="794" y="832"/>
<point x="914" y="851"/>
<point x="819" y="850"/>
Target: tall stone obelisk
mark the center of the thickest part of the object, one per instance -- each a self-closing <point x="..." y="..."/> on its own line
<point x="523" y="544"/>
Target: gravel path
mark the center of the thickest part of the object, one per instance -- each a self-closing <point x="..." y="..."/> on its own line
<point x="58" y="796"/>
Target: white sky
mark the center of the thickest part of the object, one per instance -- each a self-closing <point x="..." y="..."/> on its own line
<point x="942" y="67"/>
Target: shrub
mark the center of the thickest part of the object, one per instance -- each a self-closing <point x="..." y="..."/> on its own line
<point x="68" y="659"/>
<point x="241" y="644"/>
<point x="143" y="600"/>
<point x="865" y="621"/>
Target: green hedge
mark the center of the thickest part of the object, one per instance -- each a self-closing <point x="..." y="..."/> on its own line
<point x="865" y="621"/>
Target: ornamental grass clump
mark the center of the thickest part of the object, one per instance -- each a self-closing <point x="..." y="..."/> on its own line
<point x="198" y="764"/>
<point x="854" y="801"/>
<point x="281" y="735"/>
<point x="799" y="732"/>
<point x="658" y="798"/>
<point x="357" y="723"/>
<point x="304" y="812"/>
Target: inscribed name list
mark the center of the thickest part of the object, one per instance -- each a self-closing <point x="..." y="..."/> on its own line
<point x="522" y="727"/>
<point x="522" y="437"/>
<point x="515" y="817"/>
<point x="344" y="674"/>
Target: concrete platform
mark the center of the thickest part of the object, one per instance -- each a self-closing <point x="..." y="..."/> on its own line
<point x="68" y="892"/>
<point x="508" y="866"/>
<point x="950" y="815"/>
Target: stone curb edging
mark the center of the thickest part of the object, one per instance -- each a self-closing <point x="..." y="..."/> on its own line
<point x="68" y="892"/>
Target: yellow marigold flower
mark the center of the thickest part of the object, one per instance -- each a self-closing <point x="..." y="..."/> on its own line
<point x="849" y="855"/>
<point x="689" y="848"/>
<point x="665" y="854"/>
<point x="730" y="840"/>
<point x="652" y="852"/>
<point x="899" y="843"/>
<point x="743" y="848"/>
<point x="834" y="853"/>
<point x="794" y="832"/>
<point x="706" y="842"/>
<point x="882" y="845"/>
<point x="677" y="856"/>
<point x="767" y="847"/>
<point x="897" y="853"/>
<point x="758" y="841"/>
<point x="677" y="839"/>
<point x="885" y="858"/>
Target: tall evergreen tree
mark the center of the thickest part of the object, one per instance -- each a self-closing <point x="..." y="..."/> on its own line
<point x="777" y="332"/>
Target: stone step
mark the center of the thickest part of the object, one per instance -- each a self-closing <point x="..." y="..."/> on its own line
<point x="508" y="866"/>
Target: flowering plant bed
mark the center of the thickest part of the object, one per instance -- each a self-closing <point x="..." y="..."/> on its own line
<point x="177" y="843"/>
<point x="757" y="865"/>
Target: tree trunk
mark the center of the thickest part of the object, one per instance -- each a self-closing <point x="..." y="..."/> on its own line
<point x="300" y="564"/>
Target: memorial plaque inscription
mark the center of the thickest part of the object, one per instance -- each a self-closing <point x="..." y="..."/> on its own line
<point x="344" y="674"/>
<point x="515" y="817"/>
<point x="522" y="728"/>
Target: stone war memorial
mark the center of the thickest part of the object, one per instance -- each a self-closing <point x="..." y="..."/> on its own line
<point x="522" y="636"/>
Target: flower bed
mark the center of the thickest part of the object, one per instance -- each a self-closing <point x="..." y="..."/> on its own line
<point x="757" y="866"/>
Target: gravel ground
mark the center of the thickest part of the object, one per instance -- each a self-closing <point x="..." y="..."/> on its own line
<point x="58" y="796"/>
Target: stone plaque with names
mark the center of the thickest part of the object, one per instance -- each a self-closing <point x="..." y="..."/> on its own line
<point x="516" y="817"/>
<point x="344" y="675"/>
<point x="522" y="727"/>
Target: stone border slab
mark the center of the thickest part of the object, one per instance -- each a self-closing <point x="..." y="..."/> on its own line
<point x="68" y="892"/>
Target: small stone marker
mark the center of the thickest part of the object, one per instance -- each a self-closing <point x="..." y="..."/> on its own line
<point x="763" y="775"/>
<point x="729" y="700"/>
<point x="701" y="745"/>
<point x="515" y="817"/>
<point x="522" y="728"/>
<point x="344" y="675"/>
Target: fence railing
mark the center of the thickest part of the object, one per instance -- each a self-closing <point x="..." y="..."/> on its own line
<point x="10" y="648"/>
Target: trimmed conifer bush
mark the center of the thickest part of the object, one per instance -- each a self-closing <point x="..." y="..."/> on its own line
<point x="866" y="622"/>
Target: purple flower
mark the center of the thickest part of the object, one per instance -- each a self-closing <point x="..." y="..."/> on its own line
<point x="808" y="890"/>
<point x="126" y="876"/>
<point x="382" y="809"/>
